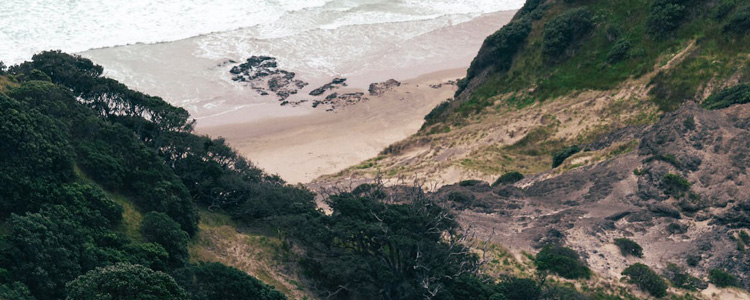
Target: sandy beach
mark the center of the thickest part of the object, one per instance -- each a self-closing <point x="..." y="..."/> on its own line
<point x="302" y="143"/>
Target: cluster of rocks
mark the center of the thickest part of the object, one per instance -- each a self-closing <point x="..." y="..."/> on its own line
<point x="337" y="100"/>
<point x="377" y="89"/>
<point x="334" y="84"/>
<point x="439" y="85"/>
<point x="264" y="76"/>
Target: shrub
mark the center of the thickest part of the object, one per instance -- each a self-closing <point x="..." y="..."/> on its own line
<point x="739" y="94"/>
<point x="739" y="23"/>
<point x="560" y="157"/>
<point x="470" y="182"/>
<point x="509" y="178"/>
<point x="460" y="197"/>
<point x="562" y="261"/>
<point x="722" y="278"/>
<point x="3" y="68"/>
<point x="564" y="30"/>
<point x="214" y="281"/>
<point x="675" y="185"/>
<point x="682" y="279"/>
<point x="618" y="52"/>
<point x="629" y="247"/>
<point x="665" y="16"/>
<point x="161" y="229"/>
<point x="646" y="279"/>
<point x="519" y="288"/>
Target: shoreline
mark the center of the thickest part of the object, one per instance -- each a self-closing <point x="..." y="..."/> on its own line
<point x="303" y="148"/>
<point x="302" y="143"/>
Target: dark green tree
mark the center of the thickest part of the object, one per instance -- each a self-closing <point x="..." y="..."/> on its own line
<point x="161" y="229"/>
<point x="214" y="281"/>
<point x="125" y="282"/>
<point x="646" y="279"/>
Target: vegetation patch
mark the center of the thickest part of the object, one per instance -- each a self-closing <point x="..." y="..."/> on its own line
<point x="562" y="261"/>
<point x="681" y="279"/>
<point x="722" y="278"/>
<point x="675" y="185"/>
<point x="629" y="247"/>
<point x="646" y="279"/>
<point x="739" y="94"/>
<point x="559" y="157"/>
<point x="508" y="178"/>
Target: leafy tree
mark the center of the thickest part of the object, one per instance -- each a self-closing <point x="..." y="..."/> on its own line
<point x="562" y="261"/>
<point x="739" y="23"/>
<point x="629" y="247"/>
<point x="3" y="68"/>
<point x="14" y="291"/>
<point x="675" y="185"/>
<point x="161" y="229"/>
<point x="646" y="279"/>
<point x="722" y="278"/>
<point x="519" y="289"/>
<point x="214" y="281"/>
<point x="125" y="282"/>
<point x="564" y="30"/>
<point x="619" y="51"/>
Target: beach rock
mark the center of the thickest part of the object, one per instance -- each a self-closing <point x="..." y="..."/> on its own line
<point x="379" y="88"/>
<point x="334" y="84"/>
<point x="264" y="76"/>
<point x="336" y="100"/>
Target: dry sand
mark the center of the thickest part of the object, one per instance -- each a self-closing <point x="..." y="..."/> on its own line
<point x="301" y="148"/>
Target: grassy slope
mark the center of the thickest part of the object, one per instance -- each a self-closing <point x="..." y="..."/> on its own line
<point x="543" y="107"/>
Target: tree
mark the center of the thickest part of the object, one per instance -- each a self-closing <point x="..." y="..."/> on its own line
<point x="15" y="291"/>
<point x="722" y="278"/>
<point x="564" y="30"/>
<point x="214" y="281"/>
<point x="125" y="282"/>
<point x="161" y="229"/>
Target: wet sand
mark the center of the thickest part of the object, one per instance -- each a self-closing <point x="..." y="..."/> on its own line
<point x="302" y="143"/>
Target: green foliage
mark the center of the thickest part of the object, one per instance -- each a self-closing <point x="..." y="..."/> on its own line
<point x="619" y="51"/>
<point x="161" y="229"/>
<point x="470" y="182"/>
<point x="390" y="251"/>
<point x="3" y="68"/>
<point x="562" y="261"/>
<point x="739" y="23"/>
<point x="629" y="247"/>
<point x="15" y="291"/>
<point x="739" y="94"/>
<point x="125" y="282"/>
<point x="722" y="278"/>
<point x="564" y="30"/>
<point x="508" y="178"/>
<point x="519" y="289"/>
<point x="667" y="158"/>
<point x="675" y="185"/>
<point x="646" y="279"/>
<point x="665" y="16"/>
<point x="214" y="281"/>
<point x="560" y="156"/>
<point x="681" y="279"/>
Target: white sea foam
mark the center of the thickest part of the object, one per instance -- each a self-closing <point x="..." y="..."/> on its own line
<point x="30" y="26"/>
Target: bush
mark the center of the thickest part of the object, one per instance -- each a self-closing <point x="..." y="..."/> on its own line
<point x="470" y="182"/>
<point x="214" y="281"/>
<point x="665" y="16"/>
<point x="629" y="247"/>
<point x="646" y="279"/>
<point x="739" y="23"/>
<point x="562" y="261"/>
<point x="682" y="279"/>
<point x="739" y="94"/>
<point x="509" y="178"/>
<point x="125" y="282"/>
<point x="161" y="229"/>
<point x="618" y="52"/>
<point x="564" y="30"/>
<point x="3" y="68"/>
<point x="519" y="289"/>
<point x="722" y="278"/>
<point x="675" y="185"/>
<point x="559" y="157"/>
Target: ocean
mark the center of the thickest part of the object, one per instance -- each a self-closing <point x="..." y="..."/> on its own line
<point x="30" y="26"/>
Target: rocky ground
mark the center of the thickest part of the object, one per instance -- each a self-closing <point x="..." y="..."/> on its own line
<point x="639" y="194"/>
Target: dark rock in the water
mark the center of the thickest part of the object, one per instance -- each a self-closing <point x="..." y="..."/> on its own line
<point x="263" y="74"/>
<point x="334" y="84"/>
<point x="377" y="89"/>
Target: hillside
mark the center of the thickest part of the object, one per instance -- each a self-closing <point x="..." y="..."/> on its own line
<point x="581" y="123"/>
